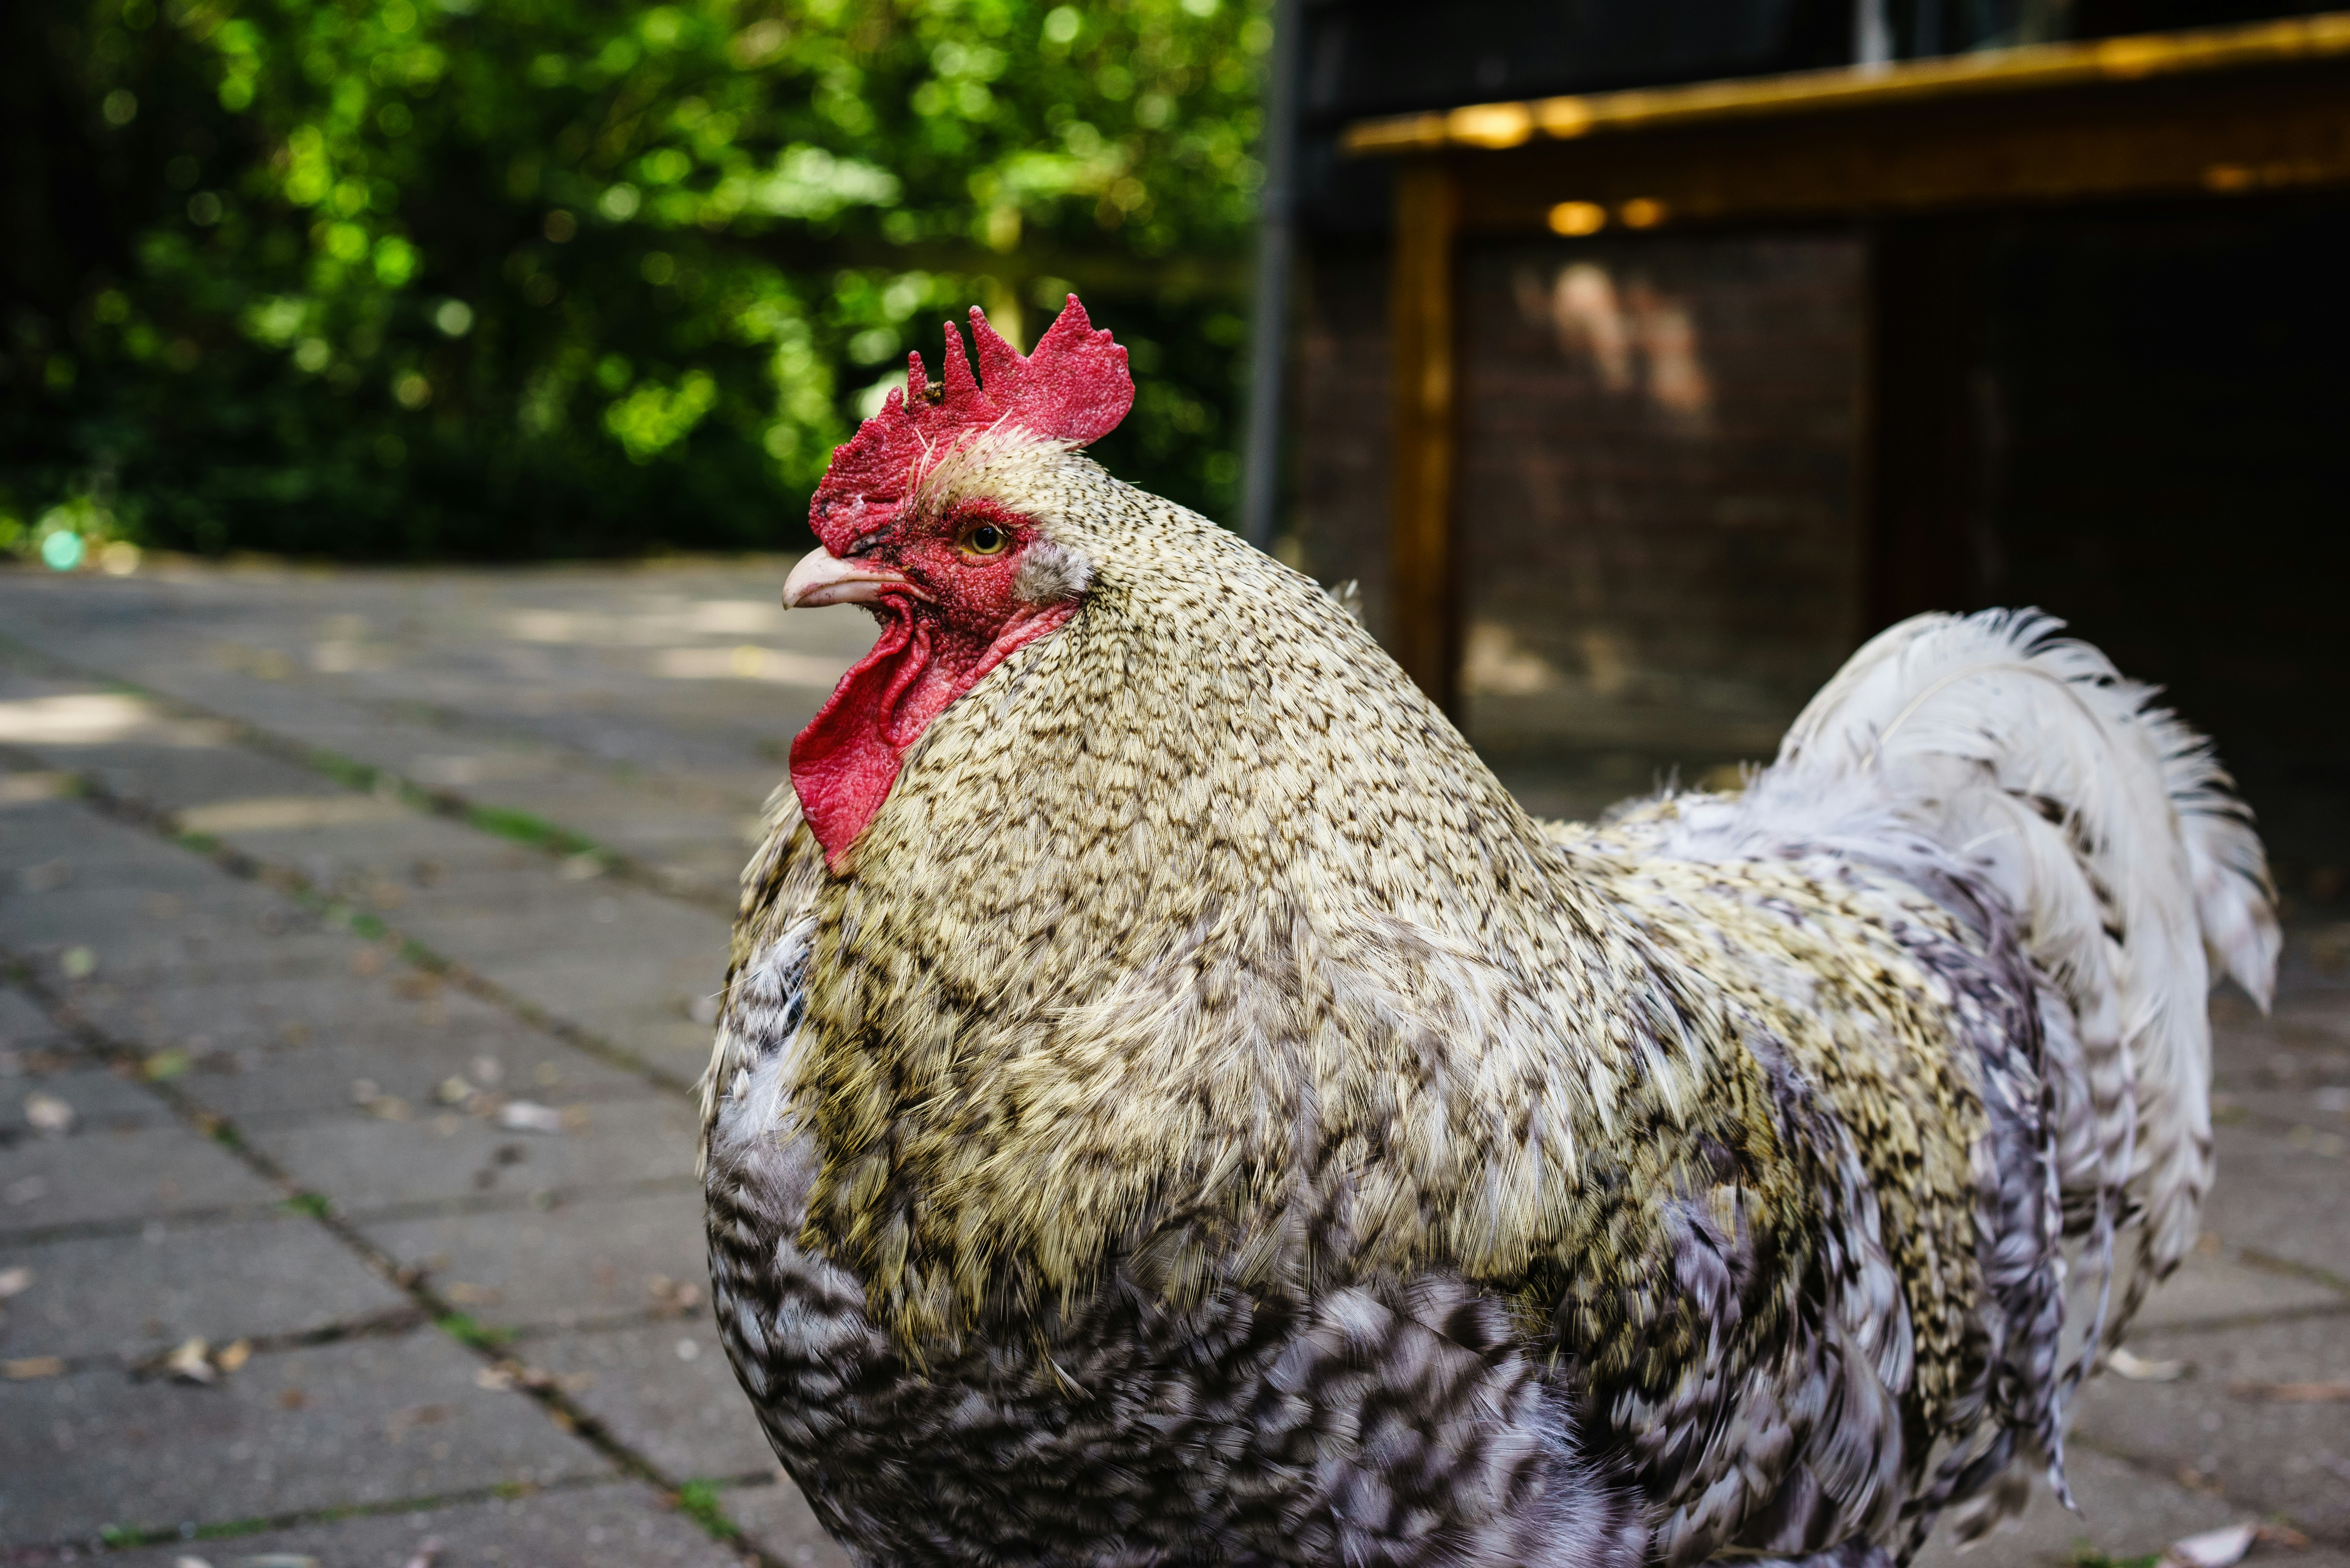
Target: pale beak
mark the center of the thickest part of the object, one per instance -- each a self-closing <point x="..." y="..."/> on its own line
<point x="820" y="579"/>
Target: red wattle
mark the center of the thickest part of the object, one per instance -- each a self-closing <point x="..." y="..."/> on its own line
<point x="842" y="765"/>
<point x="845" y="763"/>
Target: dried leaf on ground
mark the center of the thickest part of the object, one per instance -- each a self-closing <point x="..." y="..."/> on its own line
<point x="366" y="1094"/>
<point x="2212" y="1549"/>
<point x="191" y="1361"/>
<point x="2138" y="1369"/>
<point x="233" y="1355"/>
<point x="467" y="1294"/>
<point x="672" y="1296"/>
<point x="509" y="1375"/>
<point x="25" y="1369"/>
<point x="48" y="1113"/>
<point x="529" y="1115"/>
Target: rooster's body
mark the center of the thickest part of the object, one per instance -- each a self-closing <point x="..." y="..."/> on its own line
<point x="1172" y="1106"/>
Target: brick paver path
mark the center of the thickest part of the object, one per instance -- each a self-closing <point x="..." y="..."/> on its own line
<point x="359" y="932"/>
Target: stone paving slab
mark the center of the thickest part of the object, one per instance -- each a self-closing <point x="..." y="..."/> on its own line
<point x="40" y="711"/>
<point x="2280" y="1201"/>
<point x="2317" y="1118"/>
<point x="591" y="1259"/>
<point x="127" y="952"/>
<point x="620" y="1524"/>
<point x="2209" y="1290"/>
<point x="382" y="1007"/>
<point x="778" y="1519"/>
<point x="367" y="1420"/>
<point x="2234" y="1421"/>
<point x="182" y="779"/>
<point x="125" y="895"/>
<point x="52" y="845"/>
<point x="2125" y="1514"/>
<point x="23" y="1026"/>
<point x="584" y="952"/>
<point x="260" y="1278"/>
<point x="400" y="1078"/>
<point x="369" y="1163"/>
<point x="129" y="1175"/>
<point x="717" y="737"/>
<point x="587" y="922"/>
<point x="665" y="1391"/>
<point x="2288" y="1055"/>
<point x="644" y="1007"/>
<point x="98" y="1098"/>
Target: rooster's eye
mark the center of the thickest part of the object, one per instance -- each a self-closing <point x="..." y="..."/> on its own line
<point x="986" y="539"/>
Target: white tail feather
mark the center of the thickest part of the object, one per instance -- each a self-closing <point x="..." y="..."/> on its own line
<point x="2114" y="835"/>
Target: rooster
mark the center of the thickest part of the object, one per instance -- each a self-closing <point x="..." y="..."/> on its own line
<point x="1172" y="1106"/>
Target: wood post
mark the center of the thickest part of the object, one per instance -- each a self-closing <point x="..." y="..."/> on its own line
<point x="1426" y="633"/>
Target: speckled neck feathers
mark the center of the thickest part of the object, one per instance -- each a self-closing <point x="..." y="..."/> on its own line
<point x="1157" y="939"/>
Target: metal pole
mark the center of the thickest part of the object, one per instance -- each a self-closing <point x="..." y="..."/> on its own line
<point x="1872" y="35"/>
<point x="1275" y="256"/>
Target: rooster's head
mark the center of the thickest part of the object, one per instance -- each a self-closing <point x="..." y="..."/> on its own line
<point x="938" y="518"/>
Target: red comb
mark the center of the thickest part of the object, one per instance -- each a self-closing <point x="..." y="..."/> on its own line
<point x="1073" y="388"/>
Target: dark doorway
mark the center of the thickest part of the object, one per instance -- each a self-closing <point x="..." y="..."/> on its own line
<point x="2139" y="420"/>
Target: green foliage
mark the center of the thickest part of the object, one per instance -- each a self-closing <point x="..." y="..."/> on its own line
<point x="699" y="1501"/>
<point x="466" y="1330"/>
<point x="170" y="1062"/>
<point x="551" y="277"/>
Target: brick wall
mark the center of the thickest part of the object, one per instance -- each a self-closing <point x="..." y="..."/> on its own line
<point x="1659" y="553"/>
<point x="1660" y="549"/>
<point x="1337" y="514"/>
